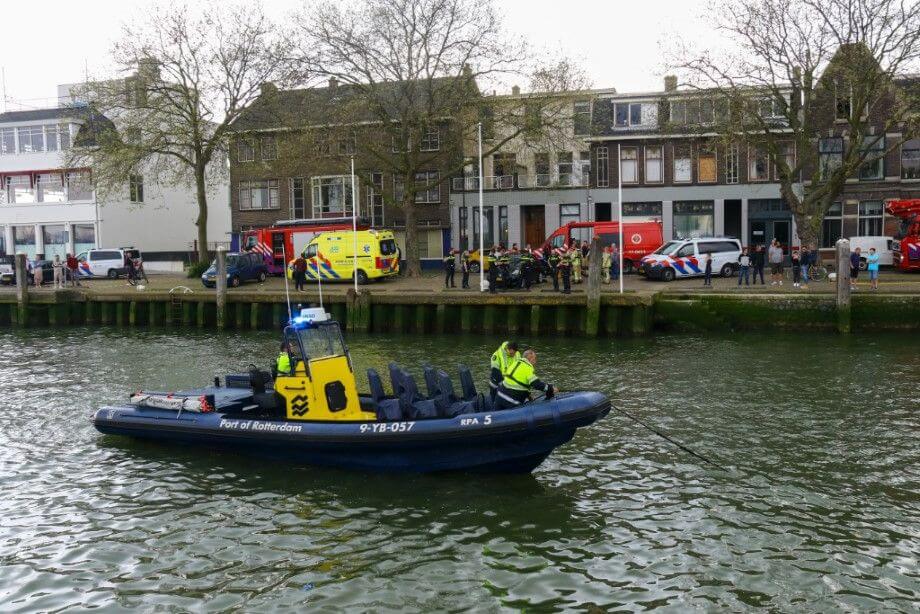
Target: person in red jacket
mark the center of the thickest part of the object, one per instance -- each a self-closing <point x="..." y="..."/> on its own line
<point x="72" y="266"/>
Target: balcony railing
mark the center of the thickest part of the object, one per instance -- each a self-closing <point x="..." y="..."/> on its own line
<point x="520" y="182"/>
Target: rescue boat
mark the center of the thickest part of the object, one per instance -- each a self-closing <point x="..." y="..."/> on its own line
<point x="316" y="416"/>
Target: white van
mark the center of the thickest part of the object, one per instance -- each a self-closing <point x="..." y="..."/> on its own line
<point x="103" y="263"/>
<point x="684" y="258"/>
<point x="883" y="247"/>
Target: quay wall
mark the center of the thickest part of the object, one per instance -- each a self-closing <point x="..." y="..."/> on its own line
<point x="506" y="314"/>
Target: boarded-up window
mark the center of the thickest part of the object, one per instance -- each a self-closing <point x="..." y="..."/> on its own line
<point x="707" y="166"/>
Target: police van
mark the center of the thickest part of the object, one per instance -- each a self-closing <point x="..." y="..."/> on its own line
<point x="103" y="262"/>
<point x="330" y="256"/>
<point x="687" y="258"/>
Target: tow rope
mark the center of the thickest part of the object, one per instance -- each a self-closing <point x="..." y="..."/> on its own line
<point x="663" y="436"/>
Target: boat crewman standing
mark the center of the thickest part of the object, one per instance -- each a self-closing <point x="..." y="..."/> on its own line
<point x="502" y="358"/>
<point x="283" y="365"/>
<point x="519" y="380"/>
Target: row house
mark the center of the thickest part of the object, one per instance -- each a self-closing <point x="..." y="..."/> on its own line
<point x="291" y="160"/>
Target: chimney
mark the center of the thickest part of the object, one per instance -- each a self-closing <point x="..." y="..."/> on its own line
<point x="670" y="83"/>
<point x="267" y="88"/>
<point x="515" y="91"/>
<point x="333" y="83"/>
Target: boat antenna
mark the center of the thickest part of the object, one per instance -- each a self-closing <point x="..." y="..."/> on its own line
<point x="319" y="277"/>
<point x="672" y="440"/>
<point x="287" y="288"/>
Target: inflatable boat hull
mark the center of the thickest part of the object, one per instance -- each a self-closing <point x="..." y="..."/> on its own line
<point x="509" y="441"/>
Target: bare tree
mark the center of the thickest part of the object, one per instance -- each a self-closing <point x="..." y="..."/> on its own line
<point x="410" y="66"/>
<point x="795" y="71"/>
<point x="196" y="71"/>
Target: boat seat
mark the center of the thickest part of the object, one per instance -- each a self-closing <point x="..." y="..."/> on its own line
<point x="396" y="379"/>
<point x="386" y="407"/>
<point x="431" y="382"/>
<point x="414" y="406"/>
<point x="376" y="385"/>
<point x="467" y="387"/>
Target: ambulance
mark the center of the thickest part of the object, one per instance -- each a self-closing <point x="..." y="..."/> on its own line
<point x="330" y="256"/>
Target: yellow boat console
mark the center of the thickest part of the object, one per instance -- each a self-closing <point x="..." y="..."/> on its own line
<point x="322" y="386"/>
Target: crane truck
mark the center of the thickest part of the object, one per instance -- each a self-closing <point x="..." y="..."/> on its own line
<point x="907" y="247"/>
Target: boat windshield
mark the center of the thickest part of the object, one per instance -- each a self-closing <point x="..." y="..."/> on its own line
<point x="322" y="341"/>
<point x="667" y="248"/>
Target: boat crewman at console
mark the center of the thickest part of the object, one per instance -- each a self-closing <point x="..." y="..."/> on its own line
<point x="519" y="380"/>
<point x="502" y="358"/>
<point x="283" y="365"/>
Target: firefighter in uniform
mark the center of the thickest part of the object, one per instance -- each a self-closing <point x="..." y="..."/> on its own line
<point x="450" y="267"/>
<point x="506" y="354"/>
<point x="565" y="269"/>
<point x="554" y="260"/>
<point x="575" y="260"/>
<point x="519" y="380"/>
<point x="502" y="262"/>
<point x="465" y="269"/>
<point x="606" y="264"/>
<point x="528" y="268"/>
<point x="491" y="260"/>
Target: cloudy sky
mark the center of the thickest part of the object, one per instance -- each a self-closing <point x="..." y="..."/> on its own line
<point x="619" y="43"/>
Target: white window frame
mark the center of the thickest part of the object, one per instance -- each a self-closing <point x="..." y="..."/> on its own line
<point x="752" y="159"/>
<point x="689" y="160"/>
<point x="303" y="196"/>
<point x="880" y="162"/>
<point x="603" y="163"/>
<point x="861" y="218"/>
<point x="423" y="196"/>
<point x="31" y="130"/>
<point x="316" y="186"/>
<point x="269" y="138"/>
<point x="269" y="185"/>
<point x="659" y="160"/>
<point x="430" y="139"/>
<point x="916" y="159"/>
<point x="4" y="132"/>
<point x="136" y="188"/>
<point x="374" y="192"/>
<point x="577" y="112"/>
<point x="671" y="115"/>
<point x="733" y="164"/>
<point x="239" y="150"/>
<point x="634" y="177"/>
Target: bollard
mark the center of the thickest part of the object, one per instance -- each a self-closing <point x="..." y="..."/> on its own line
<point x="22" y="291"/>
<point x="593" y="312"/>
<point x="843" y="285"/>
<point x="221" y="280"/>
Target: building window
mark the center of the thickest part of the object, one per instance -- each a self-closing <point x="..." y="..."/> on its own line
<point x="84" y="237"/>
<point x="683" y="164"/>
<point x="428" y="187"/>
<point x="629" y="164"/>
<point x="246" y="152"/>
<point x="651" y="210"/>
<point x="843" y="102"/>
<point x="832" y="226"/>
<point x="581" y="117"/>
<point x="55" y="238"/>
<point x="50" y="188"/>
<point x="503" y="225"/>
<point x="7" y="141"/>
<point x="31" y="139"/>
<point x="706" y="166"/>
<point x="910" y="159"/>
<point x="564" y="167"/>
<point x="758" y="167"/>
<point x="787" y="152"/>
<point x="569" y="213"/>
<point x="694" y="218"/>
<point x="732" y="163"/>
<point x="298" y="198"/>
<point x="19" y="189"/>
<point x="375" y="199"/>
<point x="463" y="221"/>
<point x="699" y="112"/>
<point x="332" y="196"/>
<point x="64" y="135"/>
<point x="583" y="169"/>
<point x="269" y="147"/>
<point x="873" y="167"/>
<point x="603" y="162"/>
<point x="259" y="195"/>
<point x="871" y="216"/>
<point x="830" y="156"/>
<point x="486" y="221"/>
<point x="347" y="146"/>
<point x="431" y="139"/>
<point x="400" y="144"/>
<point x="24" y="240"/>
<point x="542" y="170"/>
<point x="628" y="114"/>
<point x="79" y="185"/>
<point x="136" y="188"/>
<point x="678" y="112"/>
<point x="653" y="164"/>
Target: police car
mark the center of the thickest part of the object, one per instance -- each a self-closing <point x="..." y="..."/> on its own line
<point x="686" y="258"/>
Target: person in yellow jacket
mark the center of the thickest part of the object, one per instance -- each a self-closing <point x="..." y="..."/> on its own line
<point x="606" y="263"/>
<point x="519" y="380"/>
<point x="575" y="255"/>
<point x="506" y="354"/>
<point x="283" y="365"/>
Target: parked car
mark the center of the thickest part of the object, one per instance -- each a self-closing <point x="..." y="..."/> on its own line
<point x="240" y="267"/>
<point x="684" y="258"/>
<point x="111" y="263"/>
<point x="7" y="269"/>
<point x="884" y="247"/>
<point x="8" y="277"/>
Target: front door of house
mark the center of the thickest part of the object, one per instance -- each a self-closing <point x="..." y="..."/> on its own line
<point x="534" y="223"/>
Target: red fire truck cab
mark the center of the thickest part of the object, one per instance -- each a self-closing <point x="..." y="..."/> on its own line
<point x="907" y="247"/>
<point x="288" y="238"/>
<point x="639" y="238"/>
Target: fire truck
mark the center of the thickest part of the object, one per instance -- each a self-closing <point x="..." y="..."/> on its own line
<point x="283" y="240"/>
<point x="907" y="248"/>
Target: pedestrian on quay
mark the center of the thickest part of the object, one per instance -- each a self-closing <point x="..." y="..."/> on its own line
<point x="614" y="262"/>
<point x="565" y="268"/>
<point x="57" y="265"/>
<point x="796" y="269"/>
<point x="855" y="257"/>
<point x="465" y="269"/>
<point x="575" y="262"/>
<point x="300" y="273"/>
<point x="73" y="268"/>
<point x="37" y="273"/>
<point x="607" y="264"/>
<point x="807" y="258"/>
<point x="450" y="269"/>
<point x="758" y="262"/>
<point x="872" y="267"/>
<point x="744" y="267"/>
<point x="775" y="255"/>
<point x="707" y="271"/>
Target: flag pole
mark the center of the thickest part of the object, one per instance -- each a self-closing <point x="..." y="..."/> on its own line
<point x="482" y="258"/>
<point x="354" y="222"/>
<point x="620" y="210"/>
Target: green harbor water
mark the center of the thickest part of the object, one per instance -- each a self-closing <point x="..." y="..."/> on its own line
<point x="819" y="511"/>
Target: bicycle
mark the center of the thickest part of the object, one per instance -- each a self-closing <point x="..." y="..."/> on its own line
<point x="816" y="272"/>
